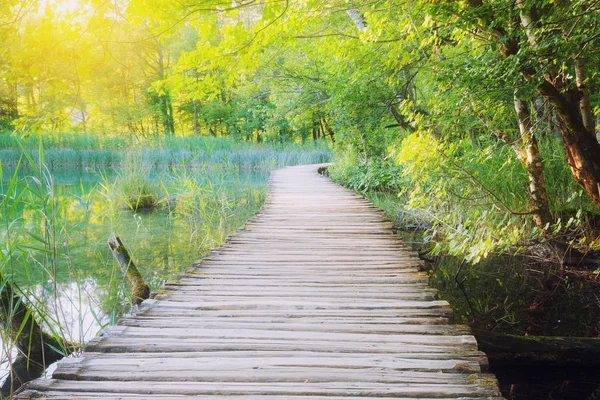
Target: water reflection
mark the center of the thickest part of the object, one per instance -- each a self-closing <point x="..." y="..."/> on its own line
<point x="82" y="289"/>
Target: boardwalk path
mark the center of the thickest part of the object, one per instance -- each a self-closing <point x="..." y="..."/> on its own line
<point x="314" y="299"/>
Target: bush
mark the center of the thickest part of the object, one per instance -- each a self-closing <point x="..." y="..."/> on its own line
<point x="372" y="175"/>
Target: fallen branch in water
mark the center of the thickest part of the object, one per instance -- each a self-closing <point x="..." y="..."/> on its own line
<point x="139" y="289"/>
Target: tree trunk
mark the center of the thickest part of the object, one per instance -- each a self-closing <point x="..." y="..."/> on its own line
<point x="400" y="119"/>
<point x="329" y="130"/>
<point x="166" y="111"/>
<point x="196" y="132"/>
<point x="598" y="128"/>
<point x="139" y="289"/>
<point x="36" y="349"/>
<point x="585" y="105"/>
<point x="581" y="146"/>
<point x="357" y="18"/>
<point x="83" y="119"/>
<point x="170" y="115"/>
<point x="574" y="113"/>
<point x="529" y="155"/>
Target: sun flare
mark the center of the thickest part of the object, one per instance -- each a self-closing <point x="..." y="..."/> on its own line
<point x="60" y="6"/>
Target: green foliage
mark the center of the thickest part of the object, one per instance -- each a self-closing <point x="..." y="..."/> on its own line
<point x="453" y="188"/>
<point x="373" y="175"/>
<point x="471" y="209"/>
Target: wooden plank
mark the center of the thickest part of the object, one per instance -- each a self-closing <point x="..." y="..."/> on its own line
<point x="284" y="319"/>
<point x="33" y="394"/>
<point x="408" y="390"/>
<point x="270" y="375"/>
<point x="162" y="345"/>
<point x="287" y="325"/>
<point x="264" y="334"/>
<point x="224" y="361"/>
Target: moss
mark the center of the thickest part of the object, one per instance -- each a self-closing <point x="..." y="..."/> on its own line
<point x="463" y="368"/>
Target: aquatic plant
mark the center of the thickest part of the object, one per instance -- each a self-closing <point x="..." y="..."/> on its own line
<point x="133" y="185"/>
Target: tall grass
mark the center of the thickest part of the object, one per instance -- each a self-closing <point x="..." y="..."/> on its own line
<point x="213" y="206"/>
<point x="96" y="152"/>
<point x="34" y="244"/>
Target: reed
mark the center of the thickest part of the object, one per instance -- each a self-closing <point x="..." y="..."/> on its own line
<point x="63" y="151"/>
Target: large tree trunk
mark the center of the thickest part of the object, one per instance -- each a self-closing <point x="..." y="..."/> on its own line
<point x="581" y="146"/>
<point x="573" y="109"/>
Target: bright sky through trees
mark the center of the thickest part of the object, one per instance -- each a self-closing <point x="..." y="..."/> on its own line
<point x="60" y="7"/>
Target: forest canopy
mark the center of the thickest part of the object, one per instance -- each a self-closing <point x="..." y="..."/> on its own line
<point x="488" y="105"/>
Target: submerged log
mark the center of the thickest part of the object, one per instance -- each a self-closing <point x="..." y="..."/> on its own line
<point x="139" y="289"/>
<point x="547" y="351"/>
<point x="36" y="348"/>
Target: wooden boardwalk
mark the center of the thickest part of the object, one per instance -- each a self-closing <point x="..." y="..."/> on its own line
<point x="314" y="299"/>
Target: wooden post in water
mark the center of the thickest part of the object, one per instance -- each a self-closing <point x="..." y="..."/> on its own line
<point x="139" y="289"/>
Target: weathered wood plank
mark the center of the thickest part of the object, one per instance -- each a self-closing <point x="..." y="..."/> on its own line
<point x="163" y="345"/>
<point x="225" y="361"/>
<point x="34" y="394"/>
<point x="286" y="325"/>
<point x="314" y="298"/>
<point x="284" y="319"/>
<point x="408" y="390"/>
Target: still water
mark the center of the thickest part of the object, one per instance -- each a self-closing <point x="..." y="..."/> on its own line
<point x="70" y="275"/>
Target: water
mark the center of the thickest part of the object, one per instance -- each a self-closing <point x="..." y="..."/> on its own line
<point x="84" y="290"/>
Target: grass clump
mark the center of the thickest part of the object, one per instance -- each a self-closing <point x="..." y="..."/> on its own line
<point x="134" y="187"/>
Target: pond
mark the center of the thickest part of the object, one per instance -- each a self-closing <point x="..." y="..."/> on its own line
<point x="62" y="261"/>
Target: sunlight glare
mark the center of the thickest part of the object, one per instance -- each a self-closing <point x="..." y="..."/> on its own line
<point x="60" y="6"/>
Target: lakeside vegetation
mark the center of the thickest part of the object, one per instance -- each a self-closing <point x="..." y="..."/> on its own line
<point x="55" y="222"/>
<point x="98" y="153"/>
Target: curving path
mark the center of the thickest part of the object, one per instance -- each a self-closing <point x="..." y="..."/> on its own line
<point x="314" y="299"/>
